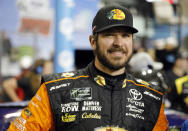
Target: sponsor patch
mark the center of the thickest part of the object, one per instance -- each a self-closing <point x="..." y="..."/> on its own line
<point x="79" y="94"/>
<point x="91" y="106"/>
<point x="109" y="128"/>
<point x="134" y="109"/>
<point x="21" y="120"/>
<point x="100" y="80"/>
<point x="38" y="97"/>
<point x="70" y="107"/>
<point x="67" y="74"/>
<point x="68" y="118"/>
<point x="86" y="115"/>
<point x="33" y="103"/>
<point x="124" y="83"/>
<point x="27" y="112"/>
<point x="59" y="86"/>
<point x="135" y="115"/>
<point x="19" y="126"/>
<point x="143" y="82"/>
<point x="116" y="14"/>
<point x="152" y="95"/>
<point x="135" y="94"/>
<point x="136" y="103"/>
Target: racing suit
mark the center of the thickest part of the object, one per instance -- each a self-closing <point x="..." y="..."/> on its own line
<point x="89" y="100"/>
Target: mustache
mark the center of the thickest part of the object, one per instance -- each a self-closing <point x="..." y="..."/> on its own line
<point x="117" y="49"/>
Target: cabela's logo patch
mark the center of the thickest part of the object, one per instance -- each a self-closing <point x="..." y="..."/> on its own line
<point x="86" y="115"/>
<point x="116" y="14"/>
<point x="68" y="118"/>
<point x="84" y="93"/>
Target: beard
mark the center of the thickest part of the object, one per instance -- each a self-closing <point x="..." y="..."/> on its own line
<point x="105" y="61"/>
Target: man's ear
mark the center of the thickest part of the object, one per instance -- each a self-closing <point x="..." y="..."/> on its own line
<point x="92" y="41"/>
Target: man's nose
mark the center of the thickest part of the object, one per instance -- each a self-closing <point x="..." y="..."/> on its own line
<point x="118" y="40"/>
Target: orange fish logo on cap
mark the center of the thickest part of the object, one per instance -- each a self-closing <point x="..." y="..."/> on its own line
<point x="116" y="14"/>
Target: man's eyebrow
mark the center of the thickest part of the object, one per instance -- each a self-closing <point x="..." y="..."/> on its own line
<point x="116" y="31"/>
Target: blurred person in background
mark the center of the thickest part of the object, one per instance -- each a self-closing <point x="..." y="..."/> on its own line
<point x="165" y="52"/>
<point x="102" y="96"/>
<point x="24" y="86"/>
<point x="144" y="67"/>
<point x="184" y="45"/>
<point x="6" y="44"/>
<point x="177" y="81"/>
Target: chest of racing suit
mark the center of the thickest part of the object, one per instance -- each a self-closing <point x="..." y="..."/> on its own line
<point x="82" y="101"/>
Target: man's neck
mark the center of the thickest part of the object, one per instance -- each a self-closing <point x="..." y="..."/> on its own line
<point x="108" y="71"/>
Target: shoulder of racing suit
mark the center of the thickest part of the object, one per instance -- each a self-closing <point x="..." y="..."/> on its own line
<point x="86" y="72"/>
<point x="50" y="78"/>
<point x="138" y="81"/>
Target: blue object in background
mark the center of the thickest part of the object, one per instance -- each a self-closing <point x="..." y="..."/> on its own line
<point x="9" y="111"/>
<point x="185" y="126"/>
<point x="64" y="59"/>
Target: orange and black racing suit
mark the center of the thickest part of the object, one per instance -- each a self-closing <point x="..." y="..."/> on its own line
<point x="89" y="100"/>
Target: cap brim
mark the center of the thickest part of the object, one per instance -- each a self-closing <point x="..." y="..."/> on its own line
<point x="131" y="29"/>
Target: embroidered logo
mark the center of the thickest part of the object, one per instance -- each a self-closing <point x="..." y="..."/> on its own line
<point x="110" y="128"/>
<point x="86" y="115"/>
<point x="70" y="107"/>
<point x="67" y="74"/>
<point x="136" y="95"/>
<point x="152" y="95"/>
<point x="84" y="93"/>
<point x="68" y="118"/>
<point x="142" y="82"/>
<point x="116" y="14"/>
<point x="100" y="80"/>
<point x="27" y="112"/>
<point x="124" y="83"/>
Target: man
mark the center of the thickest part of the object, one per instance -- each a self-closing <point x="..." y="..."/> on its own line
<point x="6" y="44"/>
<point x="177" y="81"/>
<point x="25" y="86"/>
<point x="102" y="96"/>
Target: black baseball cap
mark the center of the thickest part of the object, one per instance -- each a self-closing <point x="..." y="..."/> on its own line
<point x="112" y="16"/>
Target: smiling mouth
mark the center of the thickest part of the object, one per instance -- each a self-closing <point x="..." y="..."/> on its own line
<point x="117" y="52"/>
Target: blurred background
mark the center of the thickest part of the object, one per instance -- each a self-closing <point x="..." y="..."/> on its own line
<point x="51" y="36"/>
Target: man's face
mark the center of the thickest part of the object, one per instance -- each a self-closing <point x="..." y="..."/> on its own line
<point x="183" y="64"/>
<point x="114" y="48"/>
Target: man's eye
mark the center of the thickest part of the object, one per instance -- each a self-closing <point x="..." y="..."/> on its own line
<point x="126" y="35"/>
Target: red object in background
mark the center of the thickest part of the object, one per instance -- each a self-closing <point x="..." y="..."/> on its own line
<point x="32" y="25"/>
<point x="170" y="1"/>
<point x="20" y="93"/>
